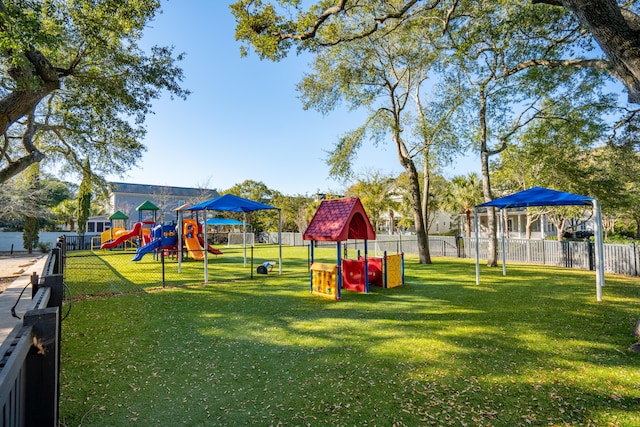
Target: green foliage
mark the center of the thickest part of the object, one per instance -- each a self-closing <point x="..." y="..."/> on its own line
<point x="375" y="191"/>
<point x="84" y="198"/>
<point x="27" y="195"/>
<point x="44" y="247"/>
<point x="30" y="233"/>
<point x="95" y="85"/>
<point x="463" y="193"/>
<point x="293" y="211"/>
<point x="265" y="220"/>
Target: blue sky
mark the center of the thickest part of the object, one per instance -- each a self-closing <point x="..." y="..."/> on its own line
<point x="243" y="120"/>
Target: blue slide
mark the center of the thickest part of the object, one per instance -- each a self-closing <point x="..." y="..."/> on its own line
<point x="149" y="247"/>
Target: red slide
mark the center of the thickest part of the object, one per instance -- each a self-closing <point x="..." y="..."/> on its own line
<point x="137" y="227"/>
<point x="210" y="248"/>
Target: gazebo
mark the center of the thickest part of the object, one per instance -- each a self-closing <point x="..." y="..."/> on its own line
<point x="540" y="196"/>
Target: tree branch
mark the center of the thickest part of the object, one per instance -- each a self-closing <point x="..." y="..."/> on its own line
<point x="20" y="165"/>
<point x="633" y="20"/>
<point x="549" y="2"/>
<point x="328" y="13"/>
<point x="341" y="7"/>
<point x="549" y="63"/>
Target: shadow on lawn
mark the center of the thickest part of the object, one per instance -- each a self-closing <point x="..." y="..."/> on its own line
<point x="440" y="349"/>
<point x="439" y="343"/>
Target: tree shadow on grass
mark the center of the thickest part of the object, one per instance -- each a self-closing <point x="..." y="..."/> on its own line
<point x="439" y="350"/>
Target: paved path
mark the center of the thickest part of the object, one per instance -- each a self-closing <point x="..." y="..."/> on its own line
<point x="15" y="274"/>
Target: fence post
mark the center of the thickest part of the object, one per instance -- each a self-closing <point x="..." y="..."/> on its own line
<point x="35" y="280"/>
<point x="42" y="368"/>
<point x="55" y="282"/>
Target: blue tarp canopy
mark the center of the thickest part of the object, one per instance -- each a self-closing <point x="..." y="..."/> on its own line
<point x="223" y="221"/>
<point x="231" y="203"/>
<point x="538" y="196"/>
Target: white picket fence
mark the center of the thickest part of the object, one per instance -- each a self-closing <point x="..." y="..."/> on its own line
<point x="618" y="258"/>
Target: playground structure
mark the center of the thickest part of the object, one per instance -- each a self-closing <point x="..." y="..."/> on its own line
<point x="337" y="221"/>
<point x="386" y="271"/>
<point x="139" y="235"/>
<point x="122" y="236"/>
<point x="194" y="241"/>
<point x="163" y="238"/>
<point x="232" y="203"/>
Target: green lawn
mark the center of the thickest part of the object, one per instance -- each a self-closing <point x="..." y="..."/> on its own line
<point x="532" y="348"/>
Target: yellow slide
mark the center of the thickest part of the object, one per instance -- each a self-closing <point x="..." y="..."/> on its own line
<point x="190" y="237"/>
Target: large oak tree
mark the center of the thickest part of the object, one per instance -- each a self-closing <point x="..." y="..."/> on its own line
<point x="494" y="49"/>
<point x="75" y="83"/>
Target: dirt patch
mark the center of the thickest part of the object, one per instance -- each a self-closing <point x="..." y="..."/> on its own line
<point x="13" y="266"/>
<point x="5" y="282"/>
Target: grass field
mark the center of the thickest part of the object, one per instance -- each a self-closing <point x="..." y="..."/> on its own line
<point x="532" y="348"/>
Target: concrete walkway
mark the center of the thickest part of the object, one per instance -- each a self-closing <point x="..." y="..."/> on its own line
<point x="19" y="267"/>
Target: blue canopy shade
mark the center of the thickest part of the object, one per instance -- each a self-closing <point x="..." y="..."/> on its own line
<point x="231" y="203"/>
<point x="538" y="196"/>
<point x="223" y="221"/>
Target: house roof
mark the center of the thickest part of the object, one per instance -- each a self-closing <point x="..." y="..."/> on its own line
<point x="339" y="220"/>
<point x="539" y="196"/>
<point x="155" y="190"/>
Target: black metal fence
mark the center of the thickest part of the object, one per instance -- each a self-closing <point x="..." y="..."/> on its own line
<point x="101" y="273"/>
<point x="30" y="356"/>
<point x="80" y="243"/>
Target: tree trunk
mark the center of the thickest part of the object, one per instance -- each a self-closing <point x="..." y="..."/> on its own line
<point x="618" y="40"/>
<point x="416" y="200"/>
<point x="36" y="72"/>
<point x="492" y="257"/>
<point x="616" y="31"/>
<point x="426" y="191"/>
<point x="468" y="221"/>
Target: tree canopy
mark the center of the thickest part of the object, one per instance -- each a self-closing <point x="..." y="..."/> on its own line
<point x="76" y="85"/>
<point x="273" y="28"/>
<point x="501" y="66"/>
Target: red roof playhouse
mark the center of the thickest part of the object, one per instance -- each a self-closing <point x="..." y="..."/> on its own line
<point x="337" y="221"/>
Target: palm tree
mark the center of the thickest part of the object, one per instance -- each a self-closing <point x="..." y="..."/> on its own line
<point x="465" y="191"/>
<point x="375" y="191"/>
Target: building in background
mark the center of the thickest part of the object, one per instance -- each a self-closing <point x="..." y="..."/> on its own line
<point x="125" y="197"/>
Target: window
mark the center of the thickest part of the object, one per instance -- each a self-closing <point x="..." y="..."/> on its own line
<point x="91" y="227"/>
